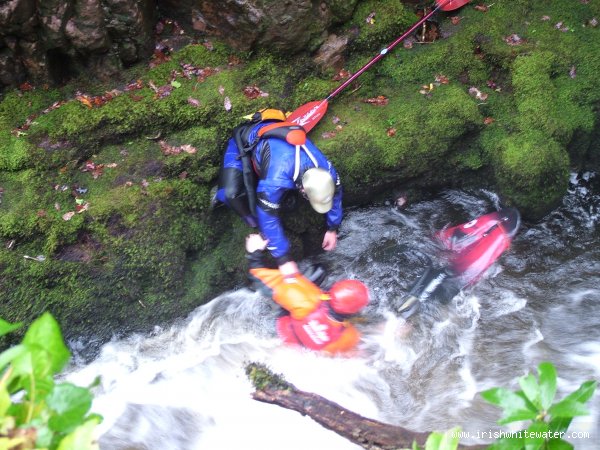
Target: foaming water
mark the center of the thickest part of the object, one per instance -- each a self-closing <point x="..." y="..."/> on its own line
<point x="184" y="387"/>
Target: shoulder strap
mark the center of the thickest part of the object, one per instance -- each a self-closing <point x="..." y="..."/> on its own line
<point x="293" y="134"/>
<point x="288" y="131"/>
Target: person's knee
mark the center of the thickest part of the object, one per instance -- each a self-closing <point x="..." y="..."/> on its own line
<point x="232" y="184"/>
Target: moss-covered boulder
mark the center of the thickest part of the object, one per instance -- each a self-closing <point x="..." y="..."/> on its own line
<point x="533" y="171"/>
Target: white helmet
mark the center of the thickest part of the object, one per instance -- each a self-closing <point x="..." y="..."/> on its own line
<point x="319" y="188"/>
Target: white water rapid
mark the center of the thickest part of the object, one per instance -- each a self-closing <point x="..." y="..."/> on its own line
<point x="183" y="387"/>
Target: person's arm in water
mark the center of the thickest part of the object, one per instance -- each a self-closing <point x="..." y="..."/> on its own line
<point x="263" y="277"/>
<point x="284" y="290"/>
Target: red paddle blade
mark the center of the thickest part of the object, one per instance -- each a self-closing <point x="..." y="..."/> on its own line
<point x="309" y="114"/>
<point x="446" y="5"/>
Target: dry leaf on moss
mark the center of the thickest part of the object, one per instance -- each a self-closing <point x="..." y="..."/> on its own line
<point x="194" y="102"/>
<point x="253" y="92"/>
<point x="380" y="100"/>
<point x="474" y="92"/>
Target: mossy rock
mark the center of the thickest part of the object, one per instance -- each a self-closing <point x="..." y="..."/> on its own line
<point x="533" y="172"/>
<point x="376" y="24"/>
<point x="405" y="136"/>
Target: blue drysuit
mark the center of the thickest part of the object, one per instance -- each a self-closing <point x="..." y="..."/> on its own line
<point x="274" y="162"/>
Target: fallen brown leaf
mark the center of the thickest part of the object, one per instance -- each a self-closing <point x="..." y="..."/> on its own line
<point x="380" y="100"/>
<point x="391" y="132"/>
<point x="474" y="92"/>
<point x="233" y="60"/>
<point x="513" y="39"/>
<point x="27" y="86"/>
<point x="253" y="92"/>
<point x="194" y="102"/>
<point x="341" y="75"/>
<point x="488" y="120"/>
<point x="187" y="148"/>
<point x="81" y="208"/>
<point x="85" y="100"/>
<point x="135" y="85"/>
<point x="168" y="149"/>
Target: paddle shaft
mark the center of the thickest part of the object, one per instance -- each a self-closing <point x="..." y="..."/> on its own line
<point x="384" y="52"/>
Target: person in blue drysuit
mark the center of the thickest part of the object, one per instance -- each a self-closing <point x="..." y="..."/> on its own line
<point x="281" y="158"/>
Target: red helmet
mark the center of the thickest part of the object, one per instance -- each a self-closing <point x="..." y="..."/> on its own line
<point x="348" y="296"/>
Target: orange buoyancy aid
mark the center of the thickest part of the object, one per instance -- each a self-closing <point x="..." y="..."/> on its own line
<point x="296" y="294"/>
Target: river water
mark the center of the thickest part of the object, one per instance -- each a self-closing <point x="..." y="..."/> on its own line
<point x="183" y="386"/>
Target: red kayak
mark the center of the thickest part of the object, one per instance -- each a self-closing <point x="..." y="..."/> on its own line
<point x="475" y="246"/>
<point x="461" y="236"/>
<point x="485" y="239"/>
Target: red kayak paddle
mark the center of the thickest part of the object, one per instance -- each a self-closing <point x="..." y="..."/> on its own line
<point x="309" y="114"/>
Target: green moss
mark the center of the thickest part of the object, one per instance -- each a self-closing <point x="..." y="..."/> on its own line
<point x="471" y="158"/>
<point x="263" y="378"/>
<point x="15" y="153"/>
<point x="311" y="89"/>
<point x="272" y="75"/>
<point x="389" y="19"/>
<point x="533" y="171"/>
<point x="426" y="128"/>
<point x="17" y="106"/>
<point x="535" y="94"/>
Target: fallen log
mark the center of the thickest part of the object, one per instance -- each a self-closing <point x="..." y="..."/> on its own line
<point x="369" y="434"/>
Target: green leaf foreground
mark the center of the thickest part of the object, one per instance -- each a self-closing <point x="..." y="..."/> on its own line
<point x="34" y="409"/>
<point x="535" y="402"/>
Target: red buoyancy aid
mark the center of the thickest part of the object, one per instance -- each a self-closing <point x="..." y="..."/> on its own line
<point x="317" y="331"/>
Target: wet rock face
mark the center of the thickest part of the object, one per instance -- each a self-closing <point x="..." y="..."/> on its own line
<point x="52" y="41"/>
<point x="283" y="25"/>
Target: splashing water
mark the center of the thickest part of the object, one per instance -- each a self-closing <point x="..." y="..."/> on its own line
<point x="184" y="387"/>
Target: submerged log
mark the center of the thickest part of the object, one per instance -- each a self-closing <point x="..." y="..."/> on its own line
<point x="368" y="433"/>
